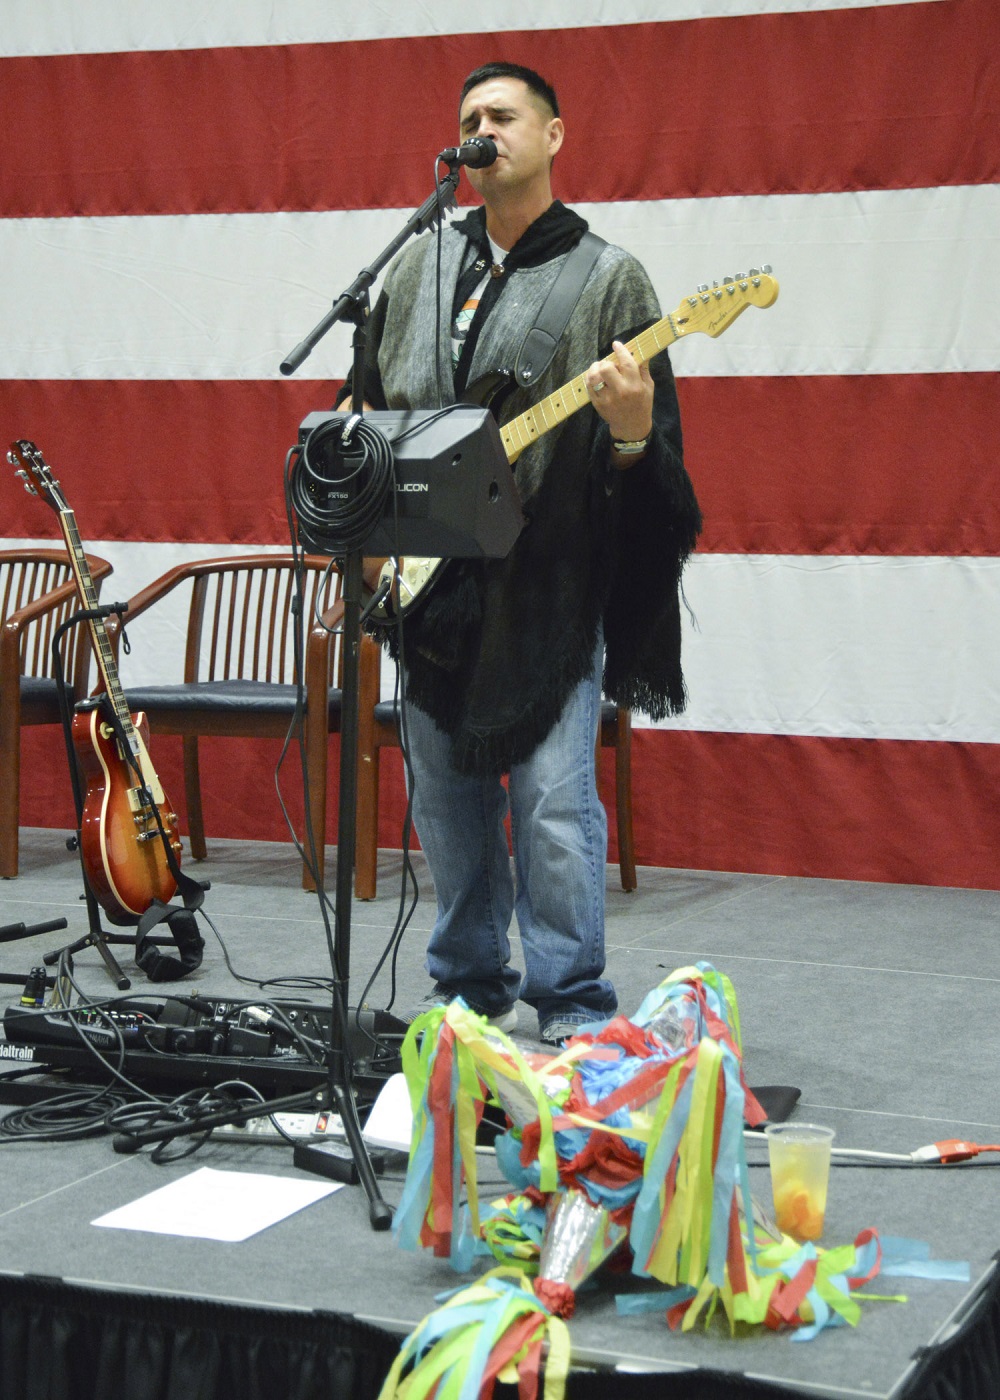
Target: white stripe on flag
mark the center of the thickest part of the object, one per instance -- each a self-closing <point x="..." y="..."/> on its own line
<point x="862" y="647"/>
<point x="868" y="281"/>
<point x="66" y="26"/>
<point x="832" y="647"/>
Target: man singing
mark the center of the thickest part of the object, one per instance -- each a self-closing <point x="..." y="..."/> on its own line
<point x="506" y="660"/>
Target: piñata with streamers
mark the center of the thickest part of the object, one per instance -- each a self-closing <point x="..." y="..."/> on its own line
<point x="625" y="1150"/>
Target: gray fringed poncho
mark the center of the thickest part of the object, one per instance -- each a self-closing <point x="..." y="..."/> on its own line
<point x="494" y="652"/>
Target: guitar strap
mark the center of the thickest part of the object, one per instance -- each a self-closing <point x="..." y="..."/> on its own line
<point x="539" y="345"/>
<point x="183" y="926"/>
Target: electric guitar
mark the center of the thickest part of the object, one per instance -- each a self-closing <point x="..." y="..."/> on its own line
<point x="711" y="310"/>
<point x="124" y="807"/>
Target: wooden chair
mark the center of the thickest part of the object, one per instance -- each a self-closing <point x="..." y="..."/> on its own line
<point x="37" y="594"/>
<point x="378" y="729"/>
<point x="239" y="668"/>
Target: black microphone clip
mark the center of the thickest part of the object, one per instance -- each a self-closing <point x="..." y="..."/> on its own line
<point x="477" y="152"/>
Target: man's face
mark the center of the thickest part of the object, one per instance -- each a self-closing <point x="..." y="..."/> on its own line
<point x="527" y="136"/>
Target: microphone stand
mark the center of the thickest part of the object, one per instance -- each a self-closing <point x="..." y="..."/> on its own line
<point x="352" y="302"/>
<point x="353" y="305"/>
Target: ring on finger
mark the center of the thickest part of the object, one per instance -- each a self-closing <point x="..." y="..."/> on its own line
<point x="598" y="386"/>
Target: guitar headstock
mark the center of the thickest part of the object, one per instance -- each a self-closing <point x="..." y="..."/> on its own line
<point x="36" y="473"/>
<point x="713" y="309"/>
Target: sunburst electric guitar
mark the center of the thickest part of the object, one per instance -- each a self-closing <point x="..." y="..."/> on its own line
<point x="126" y="818"/>
<point x="710" y="311"/>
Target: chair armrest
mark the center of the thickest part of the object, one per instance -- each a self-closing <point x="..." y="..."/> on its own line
<point x="370" y="571"/>
<point x="322" y="635"/>
<point x="149" y="595"/>
<point x="48" y="602"/>
<point x="163" y="585"/>
<point x="16" y="622"/>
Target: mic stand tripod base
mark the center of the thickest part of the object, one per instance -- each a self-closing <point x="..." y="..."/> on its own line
<point x="379" y="1212"/>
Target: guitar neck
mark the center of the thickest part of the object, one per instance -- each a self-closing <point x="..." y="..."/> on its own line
<point x="521" y="432"/>
<point x="96" y="625"/>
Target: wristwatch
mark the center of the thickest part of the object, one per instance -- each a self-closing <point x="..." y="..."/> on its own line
<point x="629" y="449"/>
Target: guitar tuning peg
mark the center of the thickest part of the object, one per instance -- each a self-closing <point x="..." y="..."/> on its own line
<point x="726" y="281"/>
<point x="12" y="459"/>
<point x="702" y="288"/>
<point x="740" y="277"/>
<point x="753" y="272"/>
<point x="766" y="269"/>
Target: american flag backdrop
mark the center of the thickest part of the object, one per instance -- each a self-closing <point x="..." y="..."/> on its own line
<point x="186" y="188"/>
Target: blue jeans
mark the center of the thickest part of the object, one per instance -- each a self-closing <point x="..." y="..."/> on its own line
<point x="559" y="834"/>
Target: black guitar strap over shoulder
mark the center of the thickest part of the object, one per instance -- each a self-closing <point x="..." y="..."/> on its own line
<point x="539" y="345"/>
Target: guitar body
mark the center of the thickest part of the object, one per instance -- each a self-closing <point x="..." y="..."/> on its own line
<point x="119" y="836"/>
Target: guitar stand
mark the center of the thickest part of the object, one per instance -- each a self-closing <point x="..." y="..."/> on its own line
<point x="98" y="937"/>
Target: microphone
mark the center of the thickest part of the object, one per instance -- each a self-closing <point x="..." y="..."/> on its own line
<point x="476" y="152"/>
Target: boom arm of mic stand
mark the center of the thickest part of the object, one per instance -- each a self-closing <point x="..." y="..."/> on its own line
<point x="346" y="306"/>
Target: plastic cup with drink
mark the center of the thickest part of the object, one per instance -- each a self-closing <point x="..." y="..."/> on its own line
<point x="799" y="1157"/>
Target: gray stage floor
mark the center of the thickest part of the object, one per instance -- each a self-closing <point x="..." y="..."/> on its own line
<point x="878" y="1002"/>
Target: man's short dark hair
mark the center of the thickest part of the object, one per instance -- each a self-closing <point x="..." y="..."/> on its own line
<point x="532" y="80"/>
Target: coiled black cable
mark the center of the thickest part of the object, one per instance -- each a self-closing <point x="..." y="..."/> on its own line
<point x="340" y="483"/>
<point x="80" y="1113"/>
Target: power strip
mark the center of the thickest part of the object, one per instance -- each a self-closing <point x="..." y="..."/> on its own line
<point x="303" y="1127"/>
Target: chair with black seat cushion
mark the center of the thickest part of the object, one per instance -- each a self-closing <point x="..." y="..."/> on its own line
<point x="239" y="668"/>
<point x="37" y="594"/>
<point x="378" y="729"/>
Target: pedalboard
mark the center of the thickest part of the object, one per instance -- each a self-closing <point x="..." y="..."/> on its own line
<point x="278" y="1047"/>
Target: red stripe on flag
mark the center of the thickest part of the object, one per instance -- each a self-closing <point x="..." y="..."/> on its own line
<point x="774" y="460"/>
<point x="188" y="460"/>
<point x="885" y="810"/>
<point x="897" y="96"/>
<point x="901" y="811"/>
<point x="852" y="809"/>
<point x="237" y="780"/>
<point x="856" y="464"/>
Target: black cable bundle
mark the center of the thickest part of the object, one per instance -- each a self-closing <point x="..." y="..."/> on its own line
<point x="340" y="483"/>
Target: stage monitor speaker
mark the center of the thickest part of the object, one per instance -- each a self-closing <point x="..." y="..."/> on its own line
<point x="454" y="490"/>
